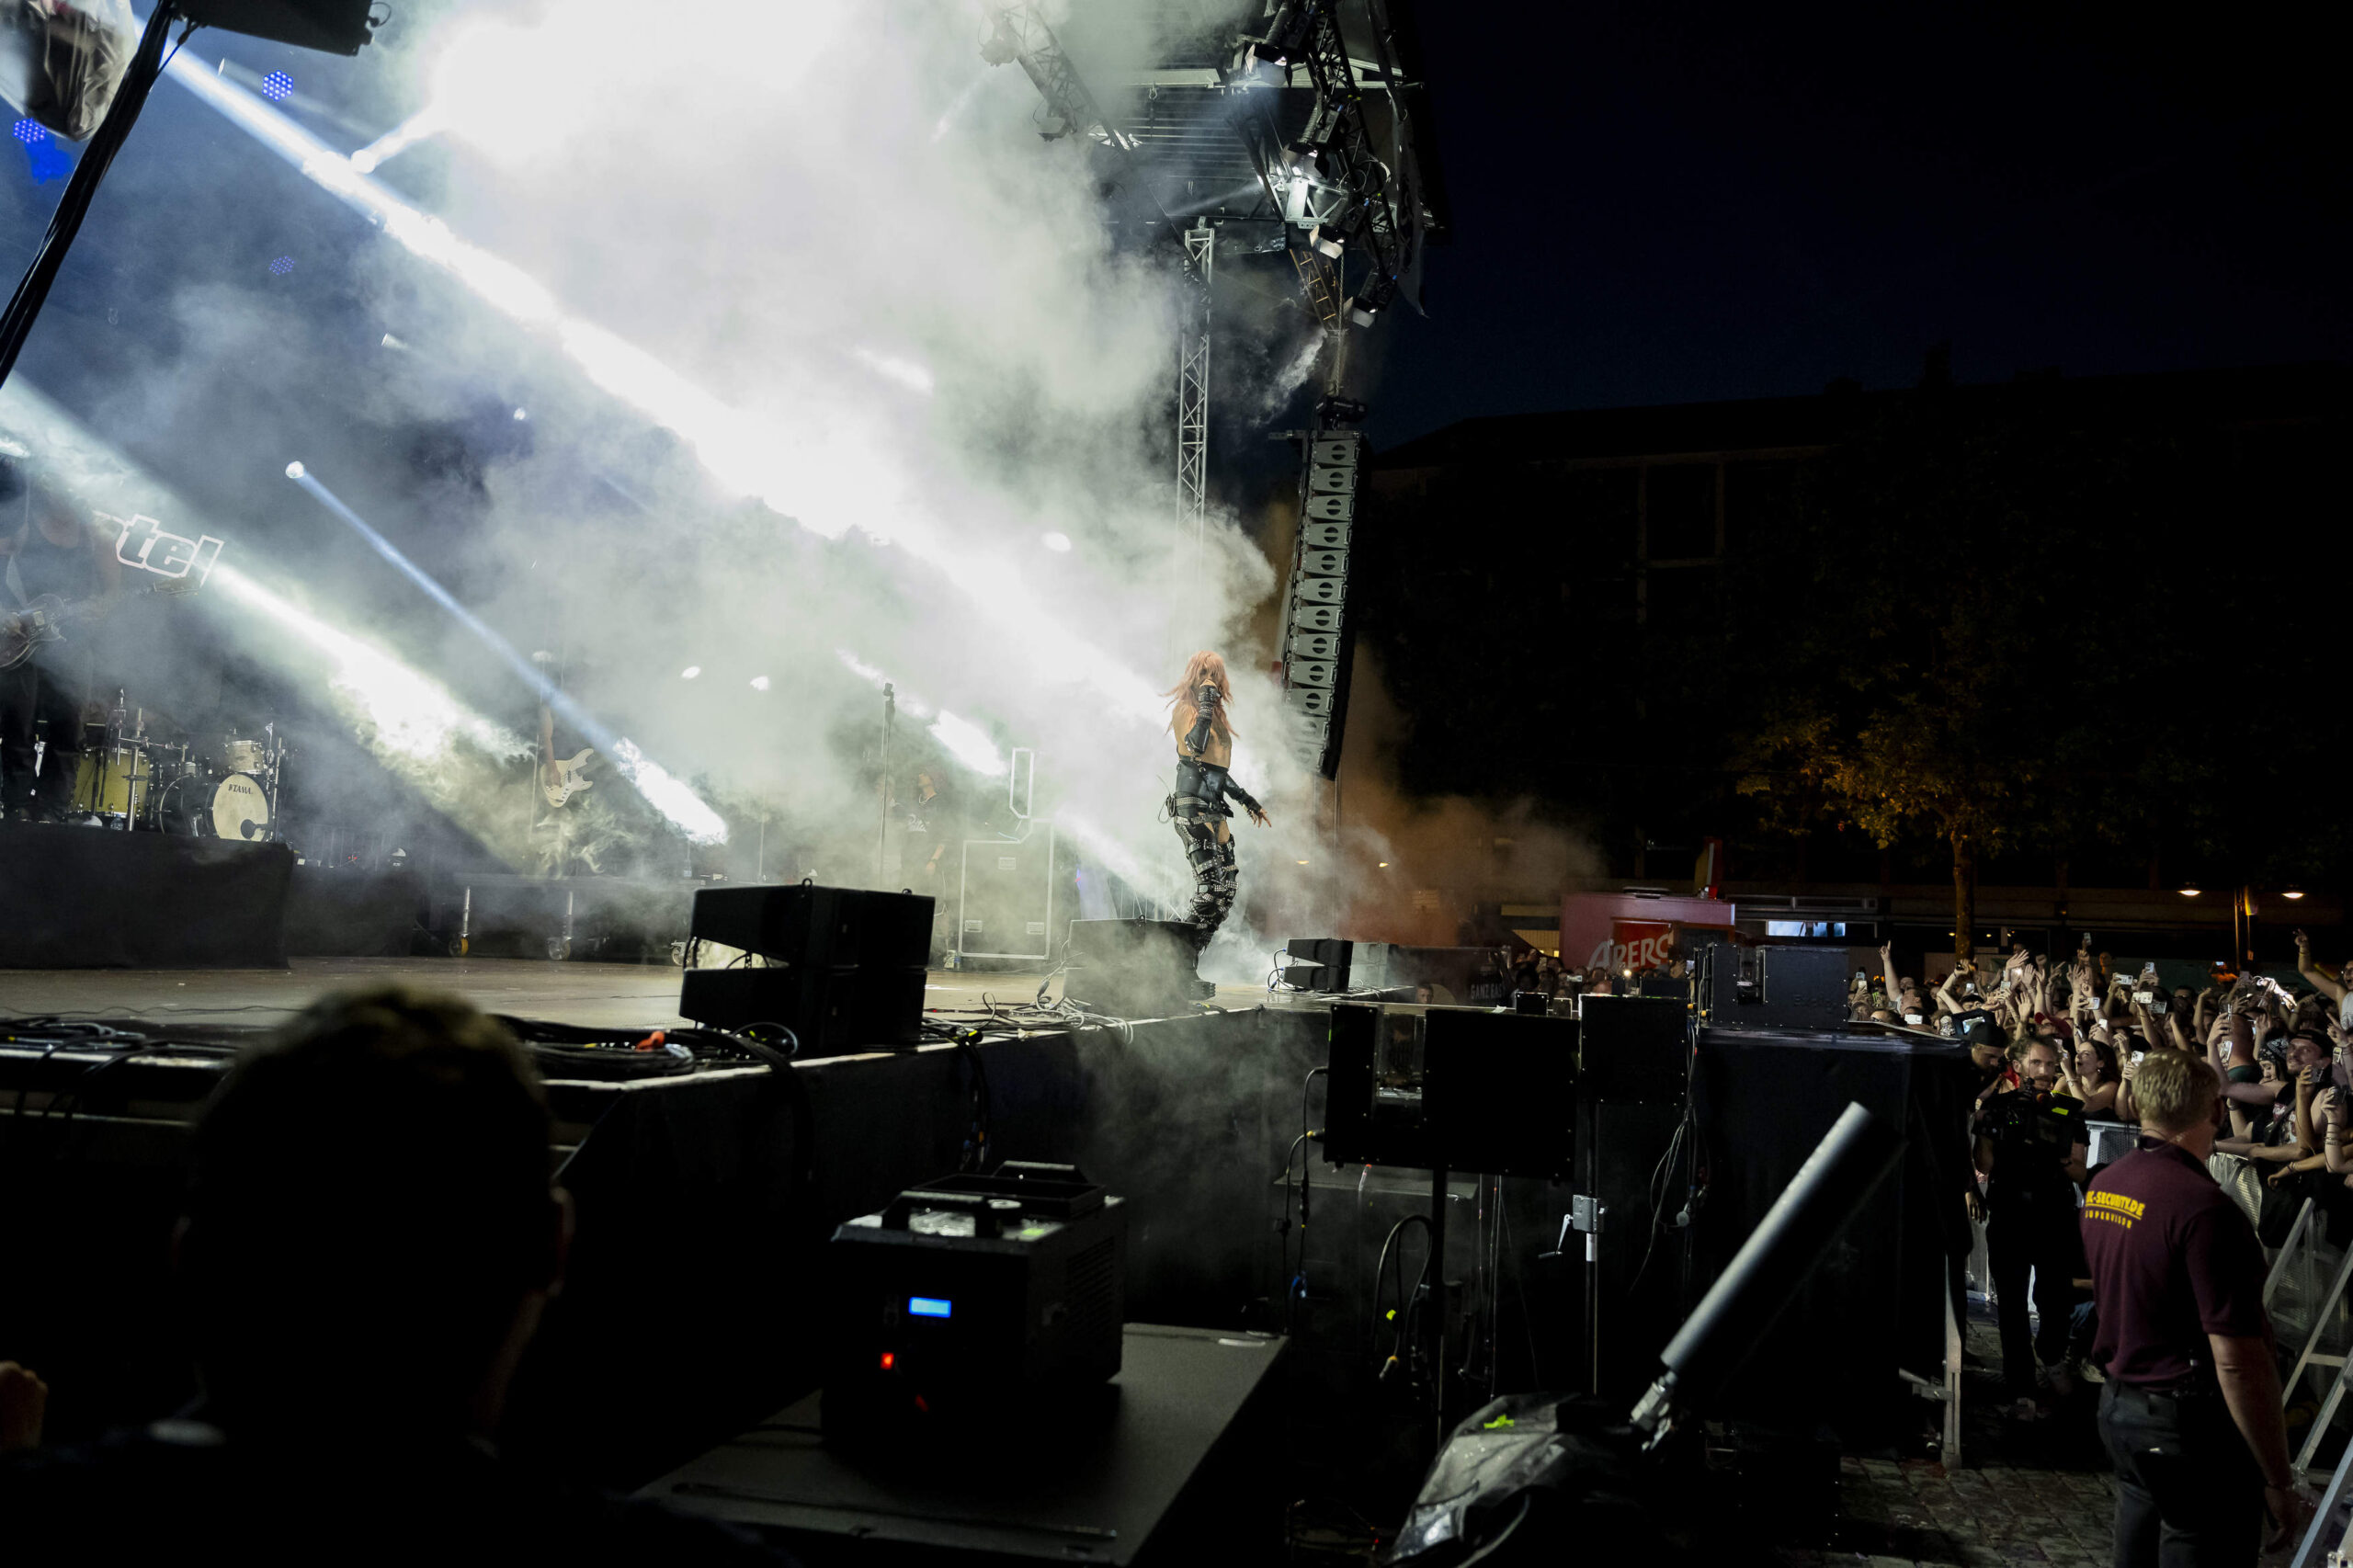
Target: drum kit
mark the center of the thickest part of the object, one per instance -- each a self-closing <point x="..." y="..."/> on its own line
<point x="145" y="782"/>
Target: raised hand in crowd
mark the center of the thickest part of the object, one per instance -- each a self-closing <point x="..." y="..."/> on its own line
<point x="2328" y="983"/>
<point x="2331" y="1111"/>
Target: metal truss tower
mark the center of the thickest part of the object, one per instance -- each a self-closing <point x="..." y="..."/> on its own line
<point x="1021" y="34"/>
<point x="1193" y="390"/>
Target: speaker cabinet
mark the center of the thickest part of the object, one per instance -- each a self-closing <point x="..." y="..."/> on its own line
<point x="1636" y="1048"/>
<point x="1500" y="1092"/>
<point x="843" y="968"/>
<point x="1330" y="957"/>
<point x="803" y="926"/>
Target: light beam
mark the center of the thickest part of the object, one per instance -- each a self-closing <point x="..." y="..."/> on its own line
<point x="684" y="810"/>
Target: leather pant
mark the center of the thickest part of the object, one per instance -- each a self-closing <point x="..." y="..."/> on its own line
<point x="1211" y="859"/>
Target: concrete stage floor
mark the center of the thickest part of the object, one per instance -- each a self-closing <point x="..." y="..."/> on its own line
<point x="598" y="995"/>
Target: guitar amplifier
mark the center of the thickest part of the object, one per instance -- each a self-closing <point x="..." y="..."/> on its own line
<point x="1005" y="907"/>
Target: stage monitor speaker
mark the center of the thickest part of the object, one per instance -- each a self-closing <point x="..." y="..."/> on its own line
<point x="1134" y="969"/>
<point x="1330" y="955"/>
<point x="337" y="26"/>
<point x="843" y="967"/>
<point x="1005" y="900"/>
<point x="1499" y="1092"/>
<point x="1636" y="1048"/>
<point x="832" y="1012"/>
<point x="801" y="925"/>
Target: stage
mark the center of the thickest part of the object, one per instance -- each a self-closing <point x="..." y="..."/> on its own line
<point x="597" y="995"/>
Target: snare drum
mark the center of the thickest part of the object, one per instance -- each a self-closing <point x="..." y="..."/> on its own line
<point x="244" y="756"/>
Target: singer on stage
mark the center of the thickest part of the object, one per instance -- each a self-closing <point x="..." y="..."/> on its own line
<point x="1204" y="751"/>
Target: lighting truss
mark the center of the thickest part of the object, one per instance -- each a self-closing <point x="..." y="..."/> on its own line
<point x="1193" y="390"/>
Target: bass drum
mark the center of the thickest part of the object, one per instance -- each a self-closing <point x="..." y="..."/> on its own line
<point x="235" y="807"/>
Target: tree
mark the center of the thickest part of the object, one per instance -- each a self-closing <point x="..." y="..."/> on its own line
<point x="1920" y="665"/>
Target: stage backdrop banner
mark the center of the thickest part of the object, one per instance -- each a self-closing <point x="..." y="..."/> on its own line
<point x="88" y="897"/>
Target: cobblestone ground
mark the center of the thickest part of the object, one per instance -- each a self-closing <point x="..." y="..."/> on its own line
<point x="2026" y="1493"/>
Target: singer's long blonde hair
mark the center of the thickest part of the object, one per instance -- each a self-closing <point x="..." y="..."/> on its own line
<point x="1203" y="668"/>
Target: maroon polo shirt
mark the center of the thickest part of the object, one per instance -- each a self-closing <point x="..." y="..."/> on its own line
<point x="2173" y="1259"/>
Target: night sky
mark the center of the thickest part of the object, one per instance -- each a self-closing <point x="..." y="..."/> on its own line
<point x="1665" y="204"/>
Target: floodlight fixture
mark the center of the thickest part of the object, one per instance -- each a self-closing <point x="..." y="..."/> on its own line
<point x="337" y="27"/>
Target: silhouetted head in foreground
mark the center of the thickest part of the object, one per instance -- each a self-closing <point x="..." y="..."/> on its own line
<point x="370" y="1226"/>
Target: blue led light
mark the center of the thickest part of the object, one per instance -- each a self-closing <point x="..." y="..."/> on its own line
<point x="929" y="1307"/>
<point x="278" y="86"/>
<point x="281" y="267"/>
<point x="47" y="160"/>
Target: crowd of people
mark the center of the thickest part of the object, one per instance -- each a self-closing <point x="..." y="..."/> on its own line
<point x="2065" y="1043"/>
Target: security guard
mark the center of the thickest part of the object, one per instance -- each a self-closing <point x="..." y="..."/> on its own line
<point x="2191" y="1413"/>
<point x="2030" y="1149"/>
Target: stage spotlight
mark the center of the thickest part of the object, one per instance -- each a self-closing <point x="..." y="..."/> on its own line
<point x="690" y="672"/>
<point x="278" y="86"/>
<point x="1057" y="542"/>
<point x="295" y="470"/>
<point x="520" y="416"/>
<point x="2189" y="889"/>
<point x="30" y="131"/>
<point x="759" y="683"/>
<point x="2292" y="893"/>
<point x="281" y="267"/>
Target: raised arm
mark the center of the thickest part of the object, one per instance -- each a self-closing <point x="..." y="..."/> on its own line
<point x="1197" y="734"/>
<point x="2330" y="1110"/>
<point x="2329" y="985"/>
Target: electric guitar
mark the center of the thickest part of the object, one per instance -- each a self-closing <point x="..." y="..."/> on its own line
<point x="560" y="778"/>
<point x="46" y="619"/>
